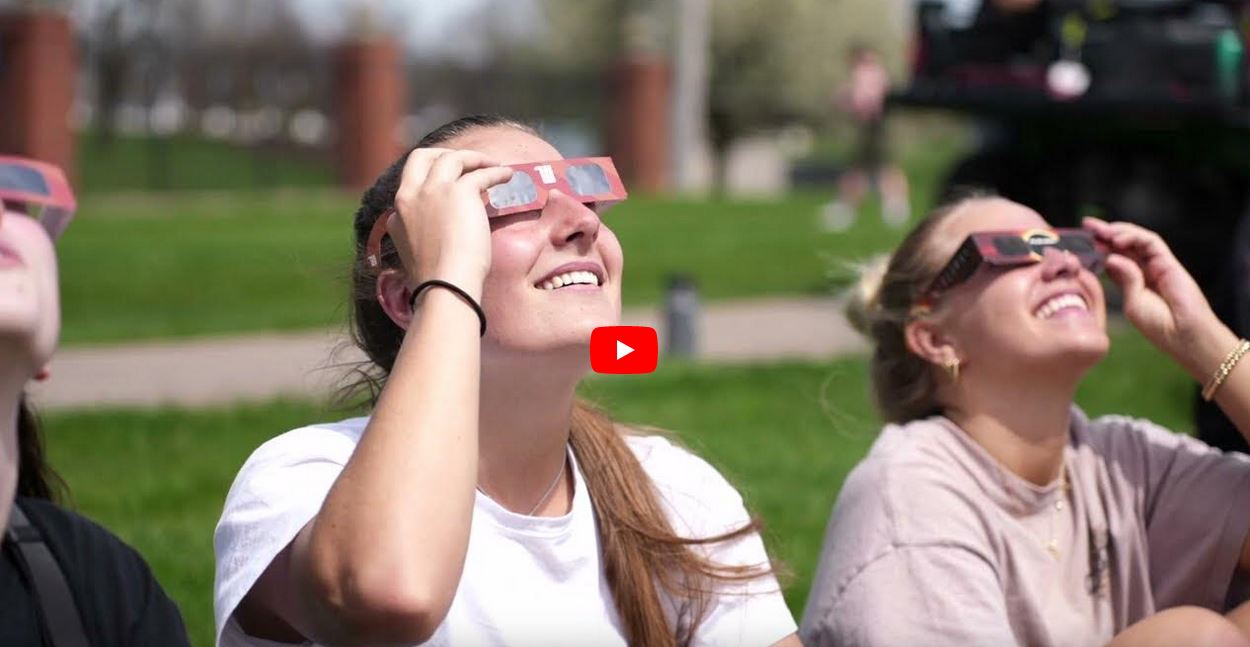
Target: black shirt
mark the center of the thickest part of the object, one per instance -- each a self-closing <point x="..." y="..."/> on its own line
<point x="121" y="604"/>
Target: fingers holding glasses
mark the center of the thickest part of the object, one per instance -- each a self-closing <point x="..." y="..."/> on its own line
<point x="1161" y="298"/>
<point x="1141" y="245"/>
<point x="441" y="229"/>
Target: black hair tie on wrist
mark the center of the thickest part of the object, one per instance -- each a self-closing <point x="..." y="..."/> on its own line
<point x="433" y="283"/>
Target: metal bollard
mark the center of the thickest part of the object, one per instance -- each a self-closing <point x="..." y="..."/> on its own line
<point x="681" y="317"/>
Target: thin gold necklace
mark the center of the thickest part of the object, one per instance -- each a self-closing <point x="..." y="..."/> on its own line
<point x="546" y="495"/>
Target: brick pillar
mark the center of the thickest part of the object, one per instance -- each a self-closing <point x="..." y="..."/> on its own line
<point x="369" y="101"/>
<point x="638" y="123"/>
<point x="38" y="67"/>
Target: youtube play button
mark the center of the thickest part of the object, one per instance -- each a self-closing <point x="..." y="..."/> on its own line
<point x="624" y="349"/>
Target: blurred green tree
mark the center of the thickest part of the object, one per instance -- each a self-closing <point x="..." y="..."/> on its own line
<point x="773" y="63"/>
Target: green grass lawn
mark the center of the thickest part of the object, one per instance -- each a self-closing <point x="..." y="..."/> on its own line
<point x="135" y="267"/>
<point x="182" y="163"/>
<point x="245" y="257"/>
<point x="786" y="434"/>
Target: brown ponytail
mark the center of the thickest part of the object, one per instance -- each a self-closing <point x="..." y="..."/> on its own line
<point x="642" y="555"/>
<point x="640" y="549"/>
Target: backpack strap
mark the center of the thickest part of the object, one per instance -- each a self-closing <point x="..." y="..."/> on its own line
<point x="61" y="620"/>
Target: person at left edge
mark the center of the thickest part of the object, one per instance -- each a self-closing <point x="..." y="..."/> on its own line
<point x="118" y="601"/>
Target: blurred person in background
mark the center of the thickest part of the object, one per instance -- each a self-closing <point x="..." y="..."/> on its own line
<point x="64" y="581"/>
<point x="864" y="100"/>
<point x="482" y="502"/>
<point x="991" y="510"/>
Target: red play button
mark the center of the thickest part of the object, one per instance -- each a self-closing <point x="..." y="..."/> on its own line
<point x="624" y="349"/>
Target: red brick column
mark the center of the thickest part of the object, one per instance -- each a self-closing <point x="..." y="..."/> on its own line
<point x="638" y="123"/>
<point x="369" y="98"/>
<point x="38" y="67"/>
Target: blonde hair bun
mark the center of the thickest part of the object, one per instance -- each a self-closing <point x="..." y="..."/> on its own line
<point x="863" y="297"/>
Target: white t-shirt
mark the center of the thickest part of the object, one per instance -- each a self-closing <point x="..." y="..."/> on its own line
<point x="527" y="580"/>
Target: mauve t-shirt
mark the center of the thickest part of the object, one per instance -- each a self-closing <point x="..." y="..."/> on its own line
<point x="934" y="542"/>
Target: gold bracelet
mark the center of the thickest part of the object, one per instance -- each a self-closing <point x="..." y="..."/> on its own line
<point x="1225" y="368"/>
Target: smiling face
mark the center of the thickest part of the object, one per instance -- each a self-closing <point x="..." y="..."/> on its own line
<point x="1048" y="316"/>
<point x="30" y="314"/>
<point x="555" y="275"/>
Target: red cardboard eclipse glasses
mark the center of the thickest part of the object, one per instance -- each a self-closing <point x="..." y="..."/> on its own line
<point x="1011" y="249"/>
<point x="38" y="189"/>
<point x="586" y="179"/>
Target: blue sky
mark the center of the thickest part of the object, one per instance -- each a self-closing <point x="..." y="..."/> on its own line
<point x="422" y="25"/>
<point x="421" y="19"/>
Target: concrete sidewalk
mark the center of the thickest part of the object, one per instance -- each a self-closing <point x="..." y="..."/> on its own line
<point x="264" y="366"/>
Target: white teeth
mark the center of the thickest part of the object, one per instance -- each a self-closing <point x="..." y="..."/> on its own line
<point x="570" y="278"/>
<point x="1061" y="302"/>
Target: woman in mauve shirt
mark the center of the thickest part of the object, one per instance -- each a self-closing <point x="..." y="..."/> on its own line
<point x="992" y="511"/>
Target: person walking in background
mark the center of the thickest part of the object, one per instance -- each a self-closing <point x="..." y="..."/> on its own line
<point x="64" y="581"/>
<point x="863" y="99"/>
<point x="991" y="510"/>
<point x="481" y="502"/>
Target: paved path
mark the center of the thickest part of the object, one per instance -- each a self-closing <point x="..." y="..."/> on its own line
<point x="263" y="366"/>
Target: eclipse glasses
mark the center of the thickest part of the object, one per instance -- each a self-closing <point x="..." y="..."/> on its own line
<point x="1012" y="249"/>
<point x="39" y="190"/>
<point x="586" y="179"/>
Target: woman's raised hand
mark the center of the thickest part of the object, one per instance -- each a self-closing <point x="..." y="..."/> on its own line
<point x="441" y="230"/>
<point x="1161" y="299"/>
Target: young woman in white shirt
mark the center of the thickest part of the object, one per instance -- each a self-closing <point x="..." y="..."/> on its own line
<point x="482" y="502"/>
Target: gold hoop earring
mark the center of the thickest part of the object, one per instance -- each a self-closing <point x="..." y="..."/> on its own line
<point x="952" y="368"/>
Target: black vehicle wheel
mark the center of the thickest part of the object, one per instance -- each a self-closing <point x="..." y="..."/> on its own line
<point x="1233" y="306"/>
